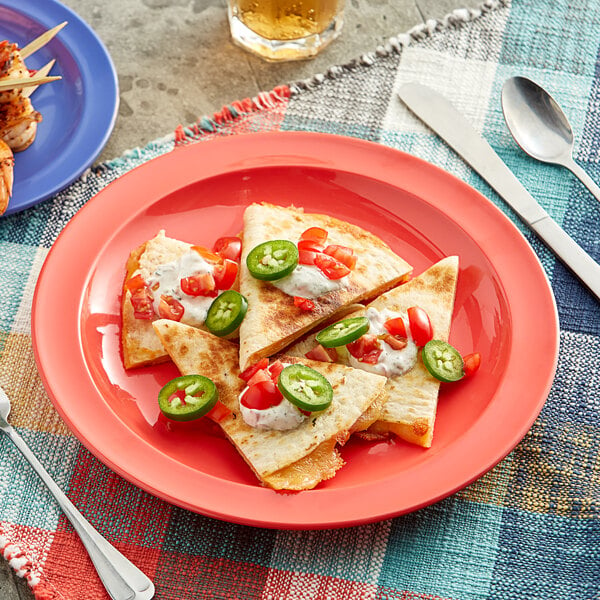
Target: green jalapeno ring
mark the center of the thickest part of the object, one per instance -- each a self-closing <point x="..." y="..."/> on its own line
<point x="443" y="361"/>
<point x="272" y="260"/>
<point x="343" y="332"/>
<point x="305" y="388"/>
<point x="226" y="313"/>
<point x="201" y="395"/>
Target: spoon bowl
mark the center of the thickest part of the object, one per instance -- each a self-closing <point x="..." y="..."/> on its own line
<point x="540" y="127"/>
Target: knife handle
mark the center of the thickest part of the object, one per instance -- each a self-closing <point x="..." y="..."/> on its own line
<point x="581" y="263"/>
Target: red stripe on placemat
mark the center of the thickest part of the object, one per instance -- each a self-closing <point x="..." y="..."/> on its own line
<point x="264" y="112"/>
<point x="186" y="576"/>
<point x="70" y="568"/>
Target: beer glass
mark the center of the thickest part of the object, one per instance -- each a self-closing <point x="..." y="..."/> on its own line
<point x="280" y="30"/>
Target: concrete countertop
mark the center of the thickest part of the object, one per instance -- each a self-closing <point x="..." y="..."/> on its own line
<point x="175" y="62"/>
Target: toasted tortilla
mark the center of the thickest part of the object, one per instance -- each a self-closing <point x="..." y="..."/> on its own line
<point x="141" y="346"/>
<point x="272" y="321"/>
<point x="410" y="402"/>
<point x="297" y="459"/>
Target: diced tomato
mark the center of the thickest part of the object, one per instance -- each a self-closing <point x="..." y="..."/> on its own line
<point x="218" y="412"/>
<point x="207" y="255"/>
<point x="396" y="327"/>
<point x="365" y="349"/>
<point x="135" y="283"/>
<point x="202" y="284"/>
<point x="332" y="269"/>
<point x="322" y="354"/>
<point x="275" y="369"/>
<point x="229" y="247"/>
<point x="306" y="257"/>
<point x="304" y="303"/>
<point x="142" y="302"/>
<point x="315" y="234"/>
<point x="420" y="326"/>
<point x="471" y="363"/>
<point x="263" y="363"/>
<point x="395" y="342"/>
<point x="262" y="375"/>
<point x="225" y="274"/>
<point x="169" y="308"/>
<point x="342" y="254"/>
<point x="310" y="245"/>
<point x="261" y="396"/>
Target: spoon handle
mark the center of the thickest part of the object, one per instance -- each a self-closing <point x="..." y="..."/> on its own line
<point x="121" y="578"/>
<point x="583" y="177"/>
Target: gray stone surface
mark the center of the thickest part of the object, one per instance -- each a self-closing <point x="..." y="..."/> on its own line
<point x="175" y="63"/>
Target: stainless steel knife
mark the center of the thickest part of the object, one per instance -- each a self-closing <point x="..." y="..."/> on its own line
<point x="441" y="116"/>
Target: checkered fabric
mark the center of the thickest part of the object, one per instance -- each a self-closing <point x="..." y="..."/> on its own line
<point x="530" y="528"/>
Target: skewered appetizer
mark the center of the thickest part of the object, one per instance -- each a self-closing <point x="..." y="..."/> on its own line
<point x="18" y="118"/>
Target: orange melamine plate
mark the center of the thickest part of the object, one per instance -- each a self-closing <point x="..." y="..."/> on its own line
<point x="504" y="309"/>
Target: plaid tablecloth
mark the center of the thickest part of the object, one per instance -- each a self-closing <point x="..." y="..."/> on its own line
<point x="530" y="528"/>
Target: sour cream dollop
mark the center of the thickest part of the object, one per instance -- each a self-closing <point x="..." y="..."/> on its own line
<point x="308" y="281"/>
<point x="282" y="417"/>
<point x="165" y="281"/>
<point x="391" y="362"/>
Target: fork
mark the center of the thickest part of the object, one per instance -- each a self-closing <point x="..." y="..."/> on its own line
<point x="121" y="578"/>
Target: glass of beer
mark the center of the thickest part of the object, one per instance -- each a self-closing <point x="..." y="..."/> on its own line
<point x="279" y="30"/>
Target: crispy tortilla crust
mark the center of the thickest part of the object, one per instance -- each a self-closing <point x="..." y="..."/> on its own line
<point x="297" y="459"/>
<point x="272" y="321"/>
<point x="411" y="399"/>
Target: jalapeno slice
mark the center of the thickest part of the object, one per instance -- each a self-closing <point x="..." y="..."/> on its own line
<point x="343" y="332"/>
<point x="226" y="313"/>
<point x="272" y="260"/>
<point x="305" y="388"/>
<point x="443" y="361"/>
<point x="187" y="398"/>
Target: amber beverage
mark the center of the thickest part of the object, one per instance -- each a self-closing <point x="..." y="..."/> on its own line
<point x="285" y="29"/>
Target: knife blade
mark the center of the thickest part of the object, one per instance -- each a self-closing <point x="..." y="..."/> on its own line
<point x="445" y="120"/>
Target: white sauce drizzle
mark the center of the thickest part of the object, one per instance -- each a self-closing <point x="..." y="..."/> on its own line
<point x="281" y="417"/>
<point x="391" y="362"/>
<point x="166" y="281"/>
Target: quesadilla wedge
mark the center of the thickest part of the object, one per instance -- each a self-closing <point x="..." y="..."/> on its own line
<point x="410" y="402"/>
<point x="338" y="264"/>
<point x="168" y="278"/>
<point x="293" y="459"/>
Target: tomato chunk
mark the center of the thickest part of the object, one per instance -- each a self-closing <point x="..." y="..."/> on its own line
<point x="169" y="308"/>
<point x="420" y="325"/>
<point x="225" y="274"/>
<point x="142" y="302"/>
<point x="304" y="303"/>
<point x="261" y="396"/>
<point x="315" y="234"/>
<point x="322" y="354"/>
<point x="229" y="247"/>
<point x="342" y="254"/>
<point x="310" y="245"/>
<point x="395" y="342"/>
<point x="471" y="363"/>
<point x="275" y="369"/>
<point x="135" y="283"/>
<point x="306" y="257"/>
<point x="202" y="284"/>
<point x="218" y="412"/>
<point x="263" y="363"/>
<point x="207" y="255"/>
<point x="396" y="327"/>
<point x="366" y="349"/>
<point x="262" y="375"/>
<point x="332" y="269"/>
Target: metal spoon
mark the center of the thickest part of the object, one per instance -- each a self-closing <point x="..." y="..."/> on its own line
<point x="540" y="127"/>
<point x="121" y="578"/>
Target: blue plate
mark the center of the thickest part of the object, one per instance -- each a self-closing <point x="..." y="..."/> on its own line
<point x="79" y="111"/>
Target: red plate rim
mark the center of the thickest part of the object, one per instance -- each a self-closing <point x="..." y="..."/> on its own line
<point x="67" y="378"/>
